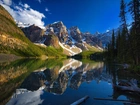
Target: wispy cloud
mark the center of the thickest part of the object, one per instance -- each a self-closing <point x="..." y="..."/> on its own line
<point x="39" y="1"/>
<point x="24" y="13"/>
<point x="46" y="9"/>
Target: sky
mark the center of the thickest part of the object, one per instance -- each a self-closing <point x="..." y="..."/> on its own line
<point x="88" y="15"/>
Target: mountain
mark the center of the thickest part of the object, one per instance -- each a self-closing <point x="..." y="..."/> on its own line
<point x="52" y="40"/>
<point x="106" y="37"/>
<point x="14" y="41"/>
<point x="59" y="29"/>
<point x="75" y="33"/>
<point x="72" y="40"/>
<point x="33" y="33"/>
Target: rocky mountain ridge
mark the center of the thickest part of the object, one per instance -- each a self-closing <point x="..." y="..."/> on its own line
<point x="71" y="36"/>
<point x="72" y="40"/>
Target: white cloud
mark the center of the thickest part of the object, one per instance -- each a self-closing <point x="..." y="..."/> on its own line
<point x="26" y="6"/>
<point x="46" y="9"/>
<point x="25" y="14"/>
<point x="7" y="2"/>
<point x="107" y="30"/>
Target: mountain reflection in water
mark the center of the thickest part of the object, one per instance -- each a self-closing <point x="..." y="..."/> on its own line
<point x="57" y="82"/>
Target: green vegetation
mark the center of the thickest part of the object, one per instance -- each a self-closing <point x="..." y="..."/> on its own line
<point x="90" y="48"/>
<point x="84" y="54"/>
<point x="53" y="52"/>
<point x="13" y="40"/>
<point x="125" y="48"/>
<point x="90" y="55"/>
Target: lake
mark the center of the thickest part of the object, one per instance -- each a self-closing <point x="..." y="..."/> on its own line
<point x="61" y="82"/>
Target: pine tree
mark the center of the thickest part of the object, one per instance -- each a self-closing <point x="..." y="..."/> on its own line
<point x="113" y="45"/>
<point x="122" y="15"/>
<point x="123" y="45"/>
<point x="118" y="45"/>
<point x="134" y="9"/>
<point x="108" y="50"/>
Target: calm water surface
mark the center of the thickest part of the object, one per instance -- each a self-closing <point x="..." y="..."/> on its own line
<point x="59" y="82"/>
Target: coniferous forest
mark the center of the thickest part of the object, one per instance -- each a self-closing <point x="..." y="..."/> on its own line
<point x="125" y="47"/>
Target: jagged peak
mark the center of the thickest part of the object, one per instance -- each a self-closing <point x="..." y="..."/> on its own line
<point x="57" y="22"/>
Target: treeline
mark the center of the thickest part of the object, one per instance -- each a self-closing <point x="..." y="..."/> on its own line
<point x="125" y="47"/>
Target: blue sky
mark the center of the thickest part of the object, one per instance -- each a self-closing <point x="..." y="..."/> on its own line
<point x="88" y="15"/>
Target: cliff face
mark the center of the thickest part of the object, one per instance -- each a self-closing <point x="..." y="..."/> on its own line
<point x="33" y="33"/>
<point x="59" y="29"/>
<point x="76" y="34"/>
<point x="52" y="40"/>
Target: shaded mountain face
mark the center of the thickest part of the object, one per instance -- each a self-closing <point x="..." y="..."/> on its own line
<point x="52" y="40"/>
<point x="33" y="33"/>
<point x="76" y="34"/>
<point x="92" y="39"/>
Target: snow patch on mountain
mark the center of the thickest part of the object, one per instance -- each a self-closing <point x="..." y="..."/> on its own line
<point x="71" y="52"/>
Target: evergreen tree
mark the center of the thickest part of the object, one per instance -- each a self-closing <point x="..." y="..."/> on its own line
<point x="134" y="9"/>
<point x="122" y="15"/>
<point x="118" y="45"/>
<point x="127" y="43"/>
<point x="123" y="45"/>
<point x="113" y="45"/>
<point x="108" y="50"/>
